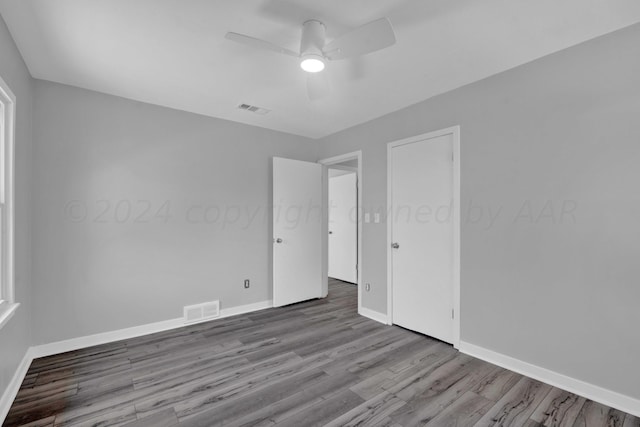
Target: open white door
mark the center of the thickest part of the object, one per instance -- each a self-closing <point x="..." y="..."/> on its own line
<point x="297" y="231"/>
<point x="343" y="227"/>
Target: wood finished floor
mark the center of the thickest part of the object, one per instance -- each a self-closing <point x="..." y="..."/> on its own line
<point x="314" y="363"/>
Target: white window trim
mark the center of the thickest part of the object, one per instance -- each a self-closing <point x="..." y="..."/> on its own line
<point x="8" y="304"/>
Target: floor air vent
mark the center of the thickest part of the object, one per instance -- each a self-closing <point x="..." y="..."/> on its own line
<point x="201" y="312"/>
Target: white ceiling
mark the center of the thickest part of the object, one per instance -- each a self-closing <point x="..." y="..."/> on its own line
<point x="173" y="52"/>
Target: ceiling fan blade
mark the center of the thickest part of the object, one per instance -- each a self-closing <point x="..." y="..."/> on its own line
<point x="260" y="44"/>
<point x="317" y="85"/>
<point x="365" y="39"/>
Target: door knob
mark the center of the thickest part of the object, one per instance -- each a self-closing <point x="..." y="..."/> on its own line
<point x="278" y="240"/>
<point x="395" y="245"/>
<point x="331" y="232"/>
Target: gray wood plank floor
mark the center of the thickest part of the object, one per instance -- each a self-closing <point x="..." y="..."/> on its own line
<point x="313" y="363"/>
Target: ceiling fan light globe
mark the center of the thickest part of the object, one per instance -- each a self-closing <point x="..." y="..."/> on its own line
<point x="312" y="63"/>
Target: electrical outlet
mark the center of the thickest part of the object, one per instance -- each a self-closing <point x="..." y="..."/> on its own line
<point x="367" y="287"/>
<point x="246" y="284"/>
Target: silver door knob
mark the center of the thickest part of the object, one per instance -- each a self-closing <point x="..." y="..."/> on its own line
<point x="395" y="245"/>
<point x="278" y="240"/>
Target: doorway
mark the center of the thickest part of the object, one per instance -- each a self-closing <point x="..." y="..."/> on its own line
<point x="343" y="224"/>
<point x="343" y="233"/>
<point x="423" y="226"/>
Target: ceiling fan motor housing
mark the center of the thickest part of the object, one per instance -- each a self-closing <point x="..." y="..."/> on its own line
<point x="313" y="33"/>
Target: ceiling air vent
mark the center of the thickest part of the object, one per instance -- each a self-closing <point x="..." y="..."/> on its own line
<point x="253" y="109"/>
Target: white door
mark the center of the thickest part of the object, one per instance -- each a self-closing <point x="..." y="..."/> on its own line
<point x="297" y="231"/>
<point x="343" y="227"/>
<point x="422" y="236"/>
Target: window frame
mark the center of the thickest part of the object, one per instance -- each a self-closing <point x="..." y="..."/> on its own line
<point x="8" y="304"/>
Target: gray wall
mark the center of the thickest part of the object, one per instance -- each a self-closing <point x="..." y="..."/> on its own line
<point x="15" y="336"/>
<point x="557" y="291"/>
<point x="108" y="171"/>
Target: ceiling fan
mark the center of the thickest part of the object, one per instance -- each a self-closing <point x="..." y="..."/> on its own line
<point x="315" y="52"/>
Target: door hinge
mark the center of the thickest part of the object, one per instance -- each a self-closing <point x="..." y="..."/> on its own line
<point x="453" y="314"/>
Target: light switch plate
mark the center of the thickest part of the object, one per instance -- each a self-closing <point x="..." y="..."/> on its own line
<point x="367" y="217"/>
<point x="376" y="218"/>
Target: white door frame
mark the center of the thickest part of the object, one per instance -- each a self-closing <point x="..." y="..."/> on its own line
<point x="355" y="155"/>
<point x="455" y="132"/>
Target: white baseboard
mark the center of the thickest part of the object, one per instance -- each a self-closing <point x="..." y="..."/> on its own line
<point x="135" y="331"/>
<point x="57" y="347"/>
<point x="14" y="385"/>
<point x="581" y="388"/>
<point x="247" y="308"/>
<point x="373" y="315"/>
<point x="103" y="338"/>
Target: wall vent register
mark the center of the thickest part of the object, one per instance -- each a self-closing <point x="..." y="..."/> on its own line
<point x="253" y="109"/>
<point x="202" y="312"/>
